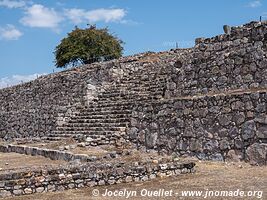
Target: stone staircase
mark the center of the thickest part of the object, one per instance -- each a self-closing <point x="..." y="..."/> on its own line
<point x="106" y="118"/>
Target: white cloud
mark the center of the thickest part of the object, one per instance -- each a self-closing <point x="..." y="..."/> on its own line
<point x="75" y="15"/>
<point x="10" y="33"/>
<point x="107" y="15"/>
<point x="130" y="22"/>
<point x="254" y="4"/>
<point x="39" y="16"/>
<point x="12" y="4"/>
<point x="17" y="79"/>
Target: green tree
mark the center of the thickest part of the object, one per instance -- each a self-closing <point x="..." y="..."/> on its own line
<point x="85" y="46"/>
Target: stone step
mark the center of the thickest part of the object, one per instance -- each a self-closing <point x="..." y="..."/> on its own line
<point x="104" y="112"/>
<point x="144" y="71"/>
<point x="92" y="136"/>
<point x="131" y="92"/>
<point x="135" y="87"/>
<point x="87" y="133"/>
<point x="99" y="121"/>
<point x="51" y="138"/>
<point x="73" y="125"/>
<point x="132" y="87"/>
<point x="114" y="94"/>
<point x="109" y="104"/>
<point x="96" y="117"/>
<point x="136" y="79"/>
<point x="92" y="140"/>
<point x="103" y="137"/>
<point x="101" y="108"/>
<point x="91" y="128"/>
<point x="123" y="97"/>
<point x="60" y="135"/>
<point x="132" y="99"/>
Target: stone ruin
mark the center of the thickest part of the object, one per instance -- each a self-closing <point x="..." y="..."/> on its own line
<point x="207" y="102"/>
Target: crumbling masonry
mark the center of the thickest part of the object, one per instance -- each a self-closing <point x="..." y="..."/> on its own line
<point x="208" y="101"/>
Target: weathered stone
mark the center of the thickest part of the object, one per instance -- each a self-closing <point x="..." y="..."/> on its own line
<point x="262" y="119"/>
<point x="189" y="132"/>
<point x="216" y="96"/>
<point x="111" y="182"/>
<point x="132" y="132"/>
<point x="5" y="193"/>
<point x="40" y="189"/>
<point x="128" y="179"/>
<point x="28" y="190"/>
<point x="211" y="146"/>
<point x="73" y="146"/>
<point x="17" y="192"/>
<point x="180" y="123"/>
<point x="234" y="156"/>
<point x="237" y="105"/>
<point x="61" y="176"/>
<point x="61" y="148"/>
<point x="2" y="184"/>
<point x="239" y="118"/>
<point x="101" y="182"/>
<point x="239" y="144"/>
<point x="262" y="132"/>
<point x="216" y="157"/>
<point x="199" y="40"/>
<point x="195" y="145"/>
<point x="233" y="132"/>
<point x="154" y="126"/>
<point x="91" y="183"/>
<point x="227" y="29"/>
<point x="144" y="178"/>
<point x="224" y="144"/>
<point x="224" y="120"/>
<point x="151" y="139"/>
<point x="261" y="108"/>
<point x="71" y="185"/>
<point x="171" y="86"/>
<point x="256" y="154"/>
<point x="51" y="187"/>
<point x="225" y="133"/>
<point x="152" y="176"/>
<point x="82" y="144"/>
<point x="248" y="130"/>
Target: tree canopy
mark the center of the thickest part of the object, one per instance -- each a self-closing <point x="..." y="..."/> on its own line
<point x="85" y="46"/>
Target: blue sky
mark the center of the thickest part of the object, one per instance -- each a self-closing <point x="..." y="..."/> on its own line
<point x="31" y="29"/>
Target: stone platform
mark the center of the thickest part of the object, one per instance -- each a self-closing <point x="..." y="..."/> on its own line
<point x="57" y="170"/>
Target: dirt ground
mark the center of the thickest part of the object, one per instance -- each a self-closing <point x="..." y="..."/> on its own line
<point x="125" y="154"/>
<point x="15" y="161"/>
<point x="216" y="176"/>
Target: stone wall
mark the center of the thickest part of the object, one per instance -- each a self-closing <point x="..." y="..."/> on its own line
<point x="234" y="62"/>
<point x="96" y="174"/>
<point x="220" y="127"/>
<point x="31" y="109"/>
<point x="225" y="62"/>
<point x="34" y="109"/>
